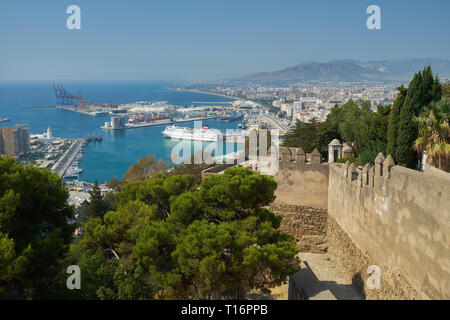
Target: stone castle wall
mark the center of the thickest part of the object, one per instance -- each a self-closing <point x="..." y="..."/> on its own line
<point x="302" y="178"/>
<point x="389" y="216"/>
<point x="395" y="218"/>
<point x="306" y="224"/>
<point x="354" y="264"/>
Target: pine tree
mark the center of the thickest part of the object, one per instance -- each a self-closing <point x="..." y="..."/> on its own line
<point x="432" y="90"/>
<point x="407" y="134"/>
<point x="393" y="121"/>
<point x="407" y="129"/>
<point x="445" y="89"/>
<point x="416" y="93"/>
<point x="97" y="206"/>
<point x="402" y="130"/>
<point x="34" y="231"/>
<point x="437" y="89"/>
<point x="427" y="85"/>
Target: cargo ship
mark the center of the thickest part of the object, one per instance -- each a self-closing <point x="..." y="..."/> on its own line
<point x="203" y="134"/>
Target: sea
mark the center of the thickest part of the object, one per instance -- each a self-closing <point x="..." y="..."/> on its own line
<point x="120" y="148"/>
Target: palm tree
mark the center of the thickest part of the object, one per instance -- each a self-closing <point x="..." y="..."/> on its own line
<point x="434" y="138"/>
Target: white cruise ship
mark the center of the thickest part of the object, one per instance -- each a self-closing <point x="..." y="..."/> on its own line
<point x="204" y="134"/>
<point x="183" y="133"/>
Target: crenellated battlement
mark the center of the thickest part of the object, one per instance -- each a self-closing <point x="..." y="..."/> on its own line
<point x="296" y="158"/>
<point x="398" y="217"/>
<point x="302" y="178"/>
<point x="367" y="176"/>
<point x="384" y="215"/>
<point x="395" y="217"/>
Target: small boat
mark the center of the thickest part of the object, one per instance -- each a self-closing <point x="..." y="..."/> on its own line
<point x="76" y="170"/>
<point x="5" y="119"/>
<point x="70" y="174"/>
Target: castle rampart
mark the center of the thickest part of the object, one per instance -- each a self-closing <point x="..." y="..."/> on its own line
<point x="387" y="216"/>
<point x="302" y="178"/>
<point x="399" y="218"/>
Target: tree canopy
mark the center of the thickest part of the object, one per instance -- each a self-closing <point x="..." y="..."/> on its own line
<point x="446" y="89"/>
<point x="422" y="91"/>
<point x="143" y="169"/>
<point x="353" y="122"/>
<point x="170" y="239"/>
<point x="34" y="230"/>
<point x="434" y="134"/>
<point x="391" y="129"/>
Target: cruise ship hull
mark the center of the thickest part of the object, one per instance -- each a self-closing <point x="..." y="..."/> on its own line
<point x="192" y="137"/>
<point x="205" y="134"/>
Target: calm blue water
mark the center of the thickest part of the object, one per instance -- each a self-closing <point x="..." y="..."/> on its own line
<point x="119" y="149"/>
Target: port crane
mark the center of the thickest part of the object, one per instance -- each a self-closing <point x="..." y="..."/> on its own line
<point x="64" y="98"/>
<point x="81" y="102"/>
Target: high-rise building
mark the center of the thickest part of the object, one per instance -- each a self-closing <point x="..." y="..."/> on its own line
<point x="15" y="141"/>
<point x="24" y="138"/>
<point x="10" y="141"/>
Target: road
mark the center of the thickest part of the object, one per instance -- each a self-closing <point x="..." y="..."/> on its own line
<point x="271" y="121"/>
<point x="64" y="162"/>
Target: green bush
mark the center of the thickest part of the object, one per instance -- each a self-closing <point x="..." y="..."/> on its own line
<point x="353" y="160"/>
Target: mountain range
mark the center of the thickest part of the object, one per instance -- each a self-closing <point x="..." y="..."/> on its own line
<point x="354" y="70"/>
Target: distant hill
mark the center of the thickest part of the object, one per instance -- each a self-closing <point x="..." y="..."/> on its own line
<point x="354" y="70"/>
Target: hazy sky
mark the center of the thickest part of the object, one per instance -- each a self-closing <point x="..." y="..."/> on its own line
<point x="209" y="39"/>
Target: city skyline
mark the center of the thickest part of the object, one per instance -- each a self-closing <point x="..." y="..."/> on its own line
<point x="208" y="40"/>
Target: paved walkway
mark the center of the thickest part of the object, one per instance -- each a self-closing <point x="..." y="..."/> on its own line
<point x="329" y="275"/>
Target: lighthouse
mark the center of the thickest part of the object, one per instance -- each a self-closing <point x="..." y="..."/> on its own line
<point x="49" y="133"/>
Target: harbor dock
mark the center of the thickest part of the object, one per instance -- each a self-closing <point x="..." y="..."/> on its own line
<point x="160" y="122"/>
<point x="89" y="113"/>
<point x="63" y="164"/>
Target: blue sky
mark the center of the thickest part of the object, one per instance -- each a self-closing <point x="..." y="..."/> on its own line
<point x="208" y="39"/>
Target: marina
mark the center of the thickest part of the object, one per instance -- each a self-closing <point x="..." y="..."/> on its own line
<point x="67" y="165"/>
<point x="63" y="164"/>
<point x="118" y="149"/>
